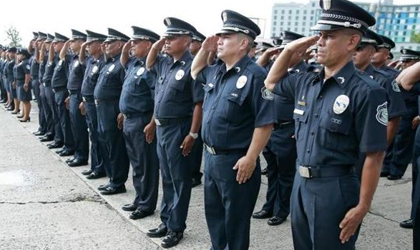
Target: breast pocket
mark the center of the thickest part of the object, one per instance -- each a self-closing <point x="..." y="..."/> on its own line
<point x="301" y="118"/>
<point x="208" y="90"/>
<point x="334" y="130"/>
<point x="176" y="91"/>
<point x="235" y="109"/>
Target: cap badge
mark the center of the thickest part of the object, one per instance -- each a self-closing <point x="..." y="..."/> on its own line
<point x="241" y="82"/>
<point x="340" y="104"/>
<point x="326" y="4"/>
<point x="168" y="21"/>
<point x="179" y="75"/>
<point x="224" y="16"/>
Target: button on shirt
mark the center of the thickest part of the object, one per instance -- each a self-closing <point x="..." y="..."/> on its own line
<point x="90" y="78"/>
<point x="138" y="89"/>
<point x="175" y="91"/>
<point x="22" y="69"/>
<point x="77" y="71"/>
<point x="235" y="103"/>
<point x="396" y="105"/>
<point x="338" y="118"/>
<point x="61" y="73"/>
<point x="110" y="81"/>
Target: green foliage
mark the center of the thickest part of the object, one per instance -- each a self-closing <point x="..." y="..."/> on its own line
<point x="13" y="37"/>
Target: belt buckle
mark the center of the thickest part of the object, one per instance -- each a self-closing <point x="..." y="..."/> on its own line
<point x="84" y="99"/>
<point x="45" y="85"/>
<point x="69" y="92"/>
<point x="158" y="122"/>
<point x="305" y="172"/>
<point x="210" y="149"/>
<point x="96" y="102"/>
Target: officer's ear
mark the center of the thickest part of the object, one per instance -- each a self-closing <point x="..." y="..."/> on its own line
<point x="354" y="40"/>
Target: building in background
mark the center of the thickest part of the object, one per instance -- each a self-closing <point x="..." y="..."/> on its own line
<point x="399" y="22"/>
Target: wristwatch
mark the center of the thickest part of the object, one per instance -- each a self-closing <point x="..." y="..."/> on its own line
<point x="193" y="135"/>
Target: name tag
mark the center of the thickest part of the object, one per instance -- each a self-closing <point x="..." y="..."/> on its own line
<point x="298" y="111"/>
<point x="157" y="122"/>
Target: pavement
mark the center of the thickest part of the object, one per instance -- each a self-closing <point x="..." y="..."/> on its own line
<point x="44" y="204"/>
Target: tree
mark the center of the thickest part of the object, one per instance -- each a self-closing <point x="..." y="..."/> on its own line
<point x="415" y="37"/>
<point x="13" y="37"/>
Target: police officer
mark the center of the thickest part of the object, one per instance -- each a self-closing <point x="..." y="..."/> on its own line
<point x="13" y="105"/>
<point x="336" y="113"/>
<point x="382" y="54"/>
<point x="177" y="113"/>
<point x="269" y="54"/>
<point x="136" y="105"/>
<point x="23" y="83"/>
<point x="396" y="106"/>
<point x="410" y="81"/>
<point x="107" y="94"/>
<point x="74" y="85"/>
<point x="3" y="95"/>
<point x="237" y="122"/>
<point x="93" y="63"/>
<point x="197" y="151"/>
<point x="46" y="70"/>
<point x="36" y="85"/>
<point x="59" y="87"/>
<point x="399" y="154"/>
<point x="280" y="152"/>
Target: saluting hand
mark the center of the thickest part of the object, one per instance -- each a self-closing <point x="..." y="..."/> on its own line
<point x="149" y="132"/>
<point x="210" y="44"/>
<point x="159" y="44"/>
<point x="302" y="44"/>
<point x="245" y="167"/>
<point x="351" y="222"/>
<point x="126" y="47"/>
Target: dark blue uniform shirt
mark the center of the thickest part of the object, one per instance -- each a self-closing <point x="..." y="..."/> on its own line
<point x="138" y="90"/>
<point x="110" y="81"/>
<point x="61" y="73"/>
<point x="235" y="102"/>
<point x="42" y="68"/>
<point x="175" y="91"/>
<point x="93" y="68"/>
<point x="49" y="70"/>
<point x="34" y="68"/>
<point x="22" y="69"/>
<point x="396" y="105"/>
<point x="337" y="118"/>
<point x="77" y="71"/>
<point x="9" y="71"/>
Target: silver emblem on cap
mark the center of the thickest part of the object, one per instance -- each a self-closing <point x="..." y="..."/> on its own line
<point x="168" y="21"/>
<point x="326" y="4"/>
<point x="224" y="16"/>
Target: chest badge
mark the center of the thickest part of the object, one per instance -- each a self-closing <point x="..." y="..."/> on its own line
<point x="241" y="82"/>
<point x="341" y="79"/>
<point x="341" y="103"/>
<point x="140" y="71"/>
<point x="95" y="69"/>
<point x="60" y="62"/>
<point x="76" y="63"/>
<point x="111" y="68"/>
<point x="179" y="75"/>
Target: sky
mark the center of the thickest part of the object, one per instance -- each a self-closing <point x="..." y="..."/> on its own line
<point x="50" y="16"/>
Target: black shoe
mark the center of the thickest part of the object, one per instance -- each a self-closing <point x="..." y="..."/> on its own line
<point x="158" y="232"/>
<point x="103" y="186"/>
<point x="87" y="172"/>
<point x="94" y="175"/>
<point x="77" y="163"/>
<point x="264" y="171"/>
<point x="275" y="220"/>
<point x="138" y="214"/>
<point x="394" y="177"/>
<point x="407" y="224"/>
<point x="39" y="133"/>
<point x="61" y="150"/>
<point x="129" y="207"/>
<point x="54" y="145"/>
<point x="172" y="239"/>
<point x="384" y="174"/>
<point x="66" y="153"/>
<point x="19" y="116"/>
<point x="15" y="112"/>
<point x="114" y="190"/>
<point x="195" y="182"/>
<point x="26" y="120"/>
<point x="46" y="138"/>
<point x="68" y="160"/>
<point x="263" y="214"/>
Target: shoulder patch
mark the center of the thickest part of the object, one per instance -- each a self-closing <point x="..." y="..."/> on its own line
<point x="28" y="67"/>
<point x="395" y="86"/>
<point x="382" y="114"/>
<point x="267" y="94"/>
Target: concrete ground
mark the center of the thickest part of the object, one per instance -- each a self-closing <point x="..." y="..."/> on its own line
<point x="44" y="204"/>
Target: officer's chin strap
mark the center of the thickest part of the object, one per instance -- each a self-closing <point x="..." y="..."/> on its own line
<point x="344" y="24"/>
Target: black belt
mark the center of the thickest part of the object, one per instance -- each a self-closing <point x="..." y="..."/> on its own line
<point x="283" y="125"/>
<point x="88" y="99"/>
<point x="59" y="89"/>
<point x="135" y="115"/>
<point x="325" y="171"/>
<point x="74" y="92"/>
<point x="166" y="122"/>
<point x="98" y="101"/>
<point x="213" y="151"/>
